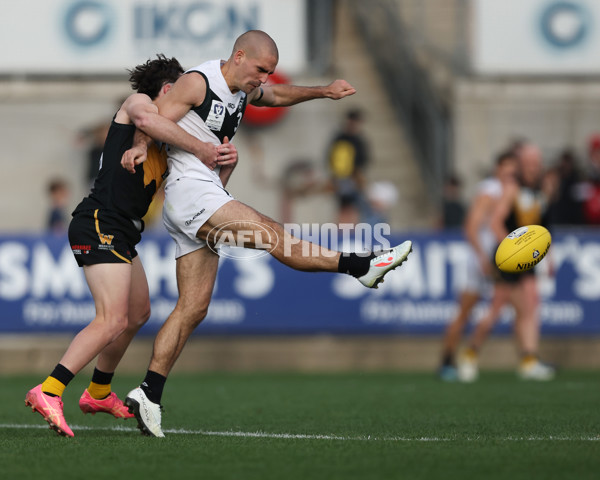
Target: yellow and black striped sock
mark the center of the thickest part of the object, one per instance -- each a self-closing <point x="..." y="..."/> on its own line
<point x="53" y="387"/>
<point x="100" y="387"/>
<point x="58" y="380"/>
<point x="528" y="358"/>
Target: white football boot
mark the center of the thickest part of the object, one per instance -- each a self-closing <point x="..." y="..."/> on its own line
<point x="147" y="413"/>
<point x="383" y="263"/>
<point x="533" y="369"/>
<point x="467" y="366"/>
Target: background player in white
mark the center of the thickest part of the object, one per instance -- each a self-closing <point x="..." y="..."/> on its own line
<point x="480" y="268"/>
<point x="522" y="203"/>
<point x="209" y="102"/>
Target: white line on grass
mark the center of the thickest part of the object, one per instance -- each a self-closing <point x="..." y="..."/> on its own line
<point x="300" y="436"/>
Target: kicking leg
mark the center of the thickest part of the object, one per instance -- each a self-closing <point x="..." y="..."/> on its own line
<point x="254" y="230"/>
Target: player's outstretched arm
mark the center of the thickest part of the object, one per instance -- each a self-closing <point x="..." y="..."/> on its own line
<point x="282" y="95"/>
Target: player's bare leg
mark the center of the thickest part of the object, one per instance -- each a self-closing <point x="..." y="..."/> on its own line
<point x="99" y="397"/>
<point x="468" y="361"/>
<point x="455" y="329"/>
<point x="453" y="335"/>
<point x="526" y="302"/>
<point x="109" y="284"/>
<point x="251" y="229"/>
<point x="196" y="274"/>
<point x="267" y="234"/>
<point x="138" y="315"/>
<point x="527" y="330"/>
<point x="500" y="298"/>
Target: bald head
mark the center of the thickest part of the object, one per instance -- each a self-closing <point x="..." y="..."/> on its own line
<point x="256" y="43"/>
<point x="253" y="59"/>
<point x="530" y="163"/>
<point x="529" y="152"/>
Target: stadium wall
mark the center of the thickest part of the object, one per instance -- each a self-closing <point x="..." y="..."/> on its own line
<point x="314" y="353"/>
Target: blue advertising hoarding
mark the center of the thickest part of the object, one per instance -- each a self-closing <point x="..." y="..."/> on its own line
<point x="43" y="290"/>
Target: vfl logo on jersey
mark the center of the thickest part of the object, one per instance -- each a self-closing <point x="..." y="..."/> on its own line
<point x="216" y="116"/>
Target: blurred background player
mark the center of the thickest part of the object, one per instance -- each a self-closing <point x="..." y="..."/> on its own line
<point x="453" y="209"/>
<point x="94" y="138"/>
<point x="59" y="194"/>
<point x="590" y="189"/>
<point x="348" y="158"/>
<point x="103" y="233"/>
<point x="523" y="203"/>
<point x="482" y="244"/>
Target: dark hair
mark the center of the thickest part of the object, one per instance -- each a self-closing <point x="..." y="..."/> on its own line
<point x="57" y="184"/>
<point x="505" y="156"/>
<point x="453" y="180"/>
<point x="150" y="77"/>
<point x="354" y="115"/>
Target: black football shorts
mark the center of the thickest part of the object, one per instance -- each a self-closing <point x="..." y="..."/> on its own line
<point x="102" y="236"/>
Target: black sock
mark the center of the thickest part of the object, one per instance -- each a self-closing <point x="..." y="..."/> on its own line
<point x="153" y="386"/>
<point x="354" y="264"/>
<point x="447" y="360"/>
<point x="62" y="374"/>
<point x="102" y="378"/>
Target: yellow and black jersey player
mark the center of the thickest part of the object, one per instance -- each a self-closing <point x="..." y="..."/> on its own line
<point x="103" y="233"/>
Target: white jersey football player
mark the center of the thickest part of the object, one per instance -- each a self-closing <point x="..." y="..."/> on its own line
<point x="213" y="121"/>
<point x="480" y="268"/>
<point x="209" y="102"/>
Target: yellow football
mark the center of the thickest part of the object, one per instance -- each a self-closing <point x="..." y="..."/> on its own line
<point x="523" y="249"/>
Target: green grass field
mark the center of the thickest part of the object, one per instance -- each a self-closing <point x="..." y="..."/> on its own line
<point x="326" y="426"/>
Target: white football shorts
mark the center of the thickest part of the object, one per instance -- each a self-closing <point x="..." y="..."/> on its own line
<point x="476" y="281"/>
<point x="189" y="203"/>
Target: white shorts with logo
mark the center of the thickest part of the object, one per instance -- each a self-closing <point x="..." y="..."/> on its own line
<point x="189" y="203"/>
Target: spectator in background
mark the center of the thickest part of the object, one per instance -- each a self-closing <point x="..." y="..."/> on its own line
<point x="58" y="216"/>
<point x="590" y="191"/>
<point x="566" y="207"/>
<point x="299" y="179"/>
<point x="95" y="137"/>
<point x="348" y="158"/>
<point x="381" y="196"/>
<point x="453" y="209"/>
